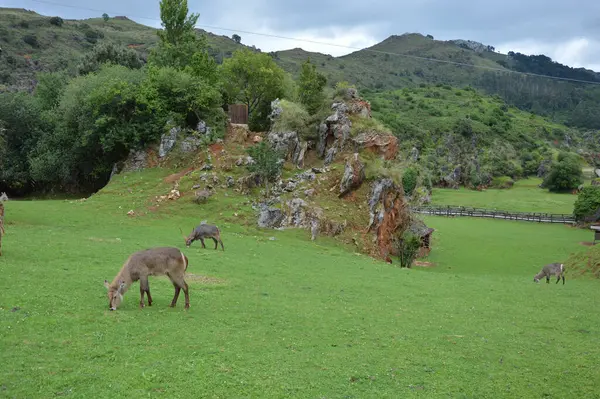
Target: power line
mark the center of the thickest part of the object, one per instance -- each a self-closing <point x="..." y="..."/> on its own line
<point x="502" y="70"/>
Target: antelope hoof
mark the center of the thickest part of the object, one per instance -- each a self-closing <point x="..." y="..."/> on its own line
<point x="187" y="306"/>
<point x="141" y="305"/>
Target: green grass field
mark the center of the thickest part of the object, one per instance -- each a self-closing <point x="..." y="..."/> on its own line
<point x="524" y="196"/>
<point x="287" y="317"/>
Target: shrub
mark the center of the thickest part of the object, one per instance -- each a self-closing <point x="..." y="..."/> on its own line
<point x="408" y="248"/>
<point x="502" y="182"/>
<point x="293" y="118"/>
<point x="266" y="162"/>
<point x="587" y="204"/>
<point x="565" y="175"/>
<point x="409" y="180"/>
<point x="109" y="53"/>
<point x="57" y="21"/>
<point x="31" y="40"/>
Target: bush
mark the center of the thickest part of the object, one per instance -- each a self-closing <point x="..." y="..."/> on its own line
<point x="408" y="246"/>
<point x="266" y="162"/>
<point x="57" y="21"/>
<point x="565" y="175"/>
<point x="31" y="40"/>
<point x="409" y="180"/>
<point x="502" y="182"/>
<point x="104" y="53"/>
<point x="293" y="118"/>
<point x="587" y="204"/>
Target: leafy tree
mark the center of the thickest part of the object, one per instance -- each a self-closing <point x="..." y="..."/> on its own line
<point x="310" y="87"/>
<point x="108" y="52"/>
<point x="21" y="126"/>
<point x="105" y="17"/>
<point x="178" y="42"/>
<point x="50" y="88"/>
<point x="266" y="163"/>
<point x="565" y="175"/>
<point x="57" y="21"/>
<point x="100" y="117"/>
<point x="408" y="248"/>
<point x="236" y="38"/>
<point x="409" y="180"/>
<point x="587" y="205"/>
<point x="254" y="79"/>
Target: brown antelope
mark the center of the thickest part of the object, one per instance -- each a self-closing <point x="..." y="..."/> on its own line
<point x="203" y="231"/>
<point x="552" y="269"/>
<point x="160" y="261"/>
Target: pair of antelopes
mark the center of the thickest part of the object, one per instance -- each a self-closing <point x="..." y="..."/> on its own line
<point x="160" y="261"/>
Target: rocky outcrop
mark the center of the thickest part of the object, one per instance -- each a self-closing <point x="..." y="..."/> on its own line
<point x="270" y="217"/>
<point x="137" y="160"/>
<point x="389" y="215"/>
<point x="334" y="133"/>
<point x="383" y="144"/>
<point x="290" y="147"/>
<point x="167" y="141"/>
<point x="354" y="175"/>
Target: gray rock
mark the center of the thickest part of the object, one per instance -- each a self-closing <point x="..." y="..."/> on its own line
<point x="137" y="160"/>
<point x="414" y="154"/>
<point x="206" y="166"/>
<point x="190" y="144"/>
<point x="270" y="217"/>
<point x="354" y="174"/>
<point x="167" y="141"/>
<point x="310" y="192"/>
<point x="202" y="128"/>
<point x="230" y="181"/>
<point x="597" y="172"/>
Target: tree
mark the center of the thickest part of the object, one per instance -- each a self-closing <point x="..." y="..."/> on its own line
<point x="108" y="52"/>
<point x="564" y="175"/>
<point x="266" y="163"/>
<point x="587" y="205"/>
<point x="50" y="88"/>
<point x="178" y="25"/>
<point x="409" y="180"/>
<point x="105" y="17"/>
<point x="310" y="87"/>
<point x="408" y="247"/>
<point x="254" y="79"/>
<point x="178" y="42"/>
<point x="236" y="38"/>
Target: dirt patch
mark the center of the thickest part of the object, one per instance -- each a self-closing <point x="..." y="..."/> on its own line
<point x="423" y="264"/>
<point x="153" y="208"/>
<point x="176" y="176"/>
<point x="215" y="148"/>
<point x="587" y="243"/>
<point x="204" y="279"/>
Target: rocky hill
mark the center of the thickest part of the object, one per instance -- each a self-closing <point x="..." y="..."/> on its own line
<point x="32" y="43"/>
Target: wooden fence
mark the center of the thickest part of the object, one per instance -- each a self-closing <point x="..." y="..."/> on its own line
<point x="494" y="214"/>
<point x="238" y="113"/>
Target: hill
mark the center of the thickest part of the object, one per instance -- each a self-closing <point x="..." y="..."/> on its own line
<point x="33" y="43"/>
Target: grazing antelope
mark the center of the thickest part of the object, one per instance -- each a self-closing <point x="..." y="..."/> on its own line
<point x="149" y="262"/>
<point x="203" y="231"/>
<point x="552" y="269"/>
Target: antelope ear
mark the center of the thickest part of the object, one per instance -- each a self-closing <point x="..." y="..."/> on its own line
<point x="106" y="284"/>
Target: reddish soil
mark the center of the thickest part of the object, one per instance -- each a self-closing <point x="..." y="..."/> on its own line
<point x="586" y="243"/>
<point x="423" y="264"/>
<point x="176" y="176"/>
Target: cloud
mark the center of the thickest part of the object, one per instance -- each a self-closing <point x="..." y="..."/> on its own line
<point x="565" y="31"/>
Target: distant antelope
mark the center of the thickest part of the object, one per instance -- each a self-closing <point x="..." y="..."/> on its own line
<point x="203" y="231"/>
<point x="552" y="269"/>
<point x="149" y="262"/>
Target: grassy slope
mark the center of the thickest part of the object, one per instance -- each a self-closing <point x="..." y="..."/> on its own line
<point x="525" y="196"/>
<point x="290" y="317"/>
<point x="435" y="110"/>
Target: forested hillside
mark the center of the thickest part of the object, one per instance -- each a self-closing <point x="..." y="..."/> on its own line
<point x="33" y="43"/>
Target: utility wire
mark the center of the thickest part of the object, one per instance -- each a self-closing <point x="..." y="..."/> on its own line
<point x="339" y="45"/>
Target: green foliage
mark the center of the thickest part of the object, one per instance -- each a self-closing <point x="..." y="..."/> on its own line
<point x="56" y="21"/>
<point x="236" y="38"/>
<point x="105" y="17"/>
<point x="50" y="88"/>
<point x="310" y="87"/>
<point x="502" y="182"/>
<point x="256" y="80"/>
<point x="31" y="40"/>
<point x="293" y="118"/>
<point x="101" y="116"/>
<point x="367" y="125"/>
<point x="587" y="205"/>
<point x="565" y="175"/>
<point x="266" y="162"/>
<point x="409" y="180"/>
<point x="108" y="52"/>
<point x="408" y="248"/>
<point x="21" y="126"/>
<point x="178" y="44"/>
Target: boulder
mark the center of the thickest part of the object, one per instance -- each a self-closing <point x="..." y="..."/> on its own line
<point x="201" y="196"/>
<point x="383" y="144"/>
<point x="270" y="217"/>
<point x="190" y="144"/>
<point x="167" y="141"/>
<point x="354" y="175"/>
<point x="290" y="147"/>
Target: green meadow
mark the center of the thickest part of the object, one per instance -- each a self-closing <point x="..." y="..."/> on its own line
<point x="276" y="315"/>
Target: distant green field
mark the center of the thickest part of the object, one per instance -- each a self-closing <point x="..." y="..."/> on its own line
<point x="525" y="196"/>
<point x="287" y="317"/>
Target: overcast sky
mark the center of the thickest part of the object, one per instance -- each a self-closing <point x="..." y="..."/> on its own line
<point x="568" y="32"/>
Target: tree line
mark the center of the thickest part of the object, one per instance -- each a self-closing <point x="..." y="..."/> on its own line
<point x="67" y="135"/>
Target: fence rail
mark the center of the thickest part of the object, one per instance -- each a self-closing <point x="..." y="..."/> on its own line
<point x="495" y="214"/>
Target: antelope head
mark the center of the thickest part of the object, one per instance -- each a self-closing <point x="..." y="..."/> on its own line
<point x="115" y="296"/>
